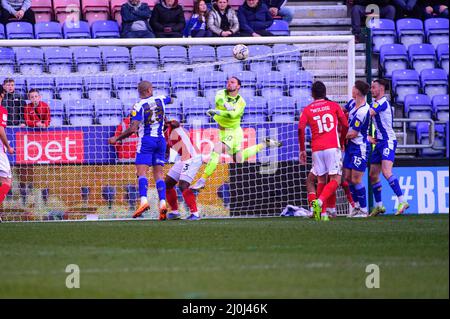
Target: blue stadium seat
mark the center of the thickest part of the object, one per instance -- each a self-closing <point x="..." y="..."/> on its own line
<point x="98" y="87"/>
<point x="287" y="57"/>
<point x="108" y="111"/>
<point x="58" y="60"/>
<point x="383" y="32"/>
<point x="299" y="83"/>
<point x="405" y="82"/>
<point x="69" y="87"/>
<point x="443" y="56"/>
<point x="423" y="137"/>
<point x="7" y="60"/>
<point x="128" y="105"/>
<point x="30" y="60"/>
<point x="145" y="58"/>
<point x="87" y="59"/>
<point x="105" y="29"/>
<point x="48" y="30"/>
<point x="78" y="30"/>
<point x="174" y="111"/>
<point x="261" y="58"/>
<point x="248" y="82"/>
<point x="302" y="102"/>
<point x="57" y="112"/>
<point x="279" y="28"/>
<point x="436" y="30"/>
<point x="45" y="85"/>
<point x="2" y="31"/>
<point x="282" y="108"/>
<point x="441" y="107"/>
<point x="80" y="112"/>
<point x="185" y="84"/>
<point x="19" y="30"/>
<point x="230" y="64"/>
<point x="410" y="31"/>
<point x="173" y="55"/>
<point x="116" y="59"/>
<point x="256" y="109"/>
<point x="422" y="56"/>
<point x="418" y="106"/>
<point x="434" y="82"/>
<point x="160" y="81"/>
<point x="202" y="54"/>
<point x="126" y="86"/>
<point x="271" y="83"/>
<point x="393" y="57"/>
<point x="194" y="110"/>
<point x="211" y="82"/>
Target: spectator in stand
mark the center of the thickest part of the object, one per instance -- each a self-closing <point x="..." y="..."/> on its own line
<point x="358" y="13"/>
<point x="407" y="8"/>
<point x="136" y="20"/>
<point x="167" y="19"/>
<point x="196" y="27"/>
<point x="17" y="10"/>
<point x="222" y="20"/>
<point x="14" y="103"/>
<point x="254" y="18"/>
<point x="277" y="8"/>
<point x="37" y="113"/>
<point x="435" y="8"/>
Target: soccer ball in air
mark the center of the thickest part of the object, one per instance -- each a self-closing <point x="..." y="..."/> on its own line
<point x="240" y="52"/>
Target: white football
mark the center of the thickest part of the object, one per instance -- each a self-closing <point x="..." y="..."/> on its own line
<point x="240" y="52"/>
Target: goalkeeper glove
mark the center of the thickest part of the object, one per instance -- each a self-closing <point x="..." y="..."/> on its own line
<point x="228" y="106"/>
<point x="212" y="112"/>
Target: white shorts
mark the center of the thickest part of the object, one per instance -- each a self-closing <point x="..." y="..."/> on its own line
<point x="5" y="168"/>
<point x="186" y="170"/>
<point x="327" y="162"/>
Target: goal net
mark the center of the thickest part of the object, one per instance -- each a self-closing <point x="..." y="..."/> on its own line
<point x="68" y="171"/>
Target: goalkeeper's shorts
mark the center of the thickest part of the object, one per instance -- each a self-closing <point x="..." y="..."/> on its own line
<point x="232" y="137"/>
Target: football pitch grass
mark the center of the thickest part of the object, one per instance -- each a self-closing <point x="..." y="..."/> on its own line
<point x="228" y="258"/>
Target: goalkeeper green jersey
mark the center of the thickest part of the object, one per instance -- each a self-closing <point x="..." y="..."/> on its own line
<point x="231" y="109"/>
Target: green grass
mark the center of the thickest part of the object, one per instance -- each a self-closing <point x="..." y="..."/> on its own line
<point x="245" y="258"/>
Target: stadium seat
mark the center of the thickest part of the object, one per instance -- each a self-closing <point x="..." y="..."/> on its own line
<point x="418" y="106"/>
<point x="436" y="31"/>
<point x="105" y="29"/>
<point x="19" y="30"/>
<point x="98" y="87"/>
<point x="271" y="83"/>
<point x="287" y="57"/>
<point x="58" y="60"/>
<point x="7" y="61"/>
<point x="108" y="111"/>
<point x="48" y="30"/>
<point x="80" y="112"/>
<point x="422" y="56"/>
<point x="301" y="103"/>
<point x="57" y="112"/>
<point x="116" y="59"/>
<point x="255" y="110"/>
<point x="443" y="56"/>
<point x="174" y="110"/>
<point x="30" y="60"/>
<point x="279" y="28"/>
<point x="43" y="10"/>
<point x="441" y="107"/>
<point x="423" y="137"/>
<point x="45" y="85"/>
<point x="109" y="195"/>
<point x="383" y="32"/>
<point x="128" y="105"/>
<point x="405" y="82"/>
<point x="69" y="87"/>
<point x="194" y="110"/>
<point x="160" y="82"/>
<point x="249" y="82"/>
<point x="87" y="59"/>
<point x="211" y="82"/>
<point x="261" y="60"/>
<point x="145" y="58"/>
<point x="203" y="56"/>
<point x="78" y="30"/>
<point x="393" y="57"/>
<point x="132" y="195"/>
<point x="229" y="63"/>
<point x="126" y="86"/>
<point x="410" y="31"/>
<point x="2" y="31"/>
<point x="174" y="55"/>
<point x="282" y="108"/>
<point x="94" y="10"/>
<point x="185" y="84"/>
<point x="67" y="11"/>
<point x="299" y="83"/>
<point x="434" y="82"/>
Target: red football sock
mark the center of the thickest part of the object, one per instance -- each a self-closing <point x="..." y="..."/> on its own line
<point x="311" y="197"/>
<point x="4" y="189"/>
<point x="331" y="202"/>
<point x="172" y="199"/>
<point x="189" y="198"/>
<point x="348" y="194"/>
<point x="320" y="187"/>
<point x="328" y="190"/>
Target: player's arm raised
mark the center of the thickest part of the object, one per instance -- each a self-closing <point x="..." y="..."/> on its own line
<point x="301" y="137"/>
<point x="133" y="128"/>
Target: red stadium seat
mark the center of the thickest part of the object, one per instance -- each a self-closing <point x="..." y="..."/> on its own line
<point x="235" y="4"/>
<point x="94" y="10"/>
<point x="43" y="10"/>
<point x="66" y="10"/>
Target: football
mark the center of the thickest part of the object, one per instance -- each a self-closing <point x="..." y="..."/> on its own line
<point x="240" y="52"/>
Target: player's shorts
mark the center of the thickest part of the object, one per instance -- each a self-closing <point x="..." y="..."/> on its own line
<point x="5" y="168"/>
<point x="186" y="170"/>
<point x="151" y="151"/>
<point x="232" y="137"/>
<point x="355" y="157"/>
<point x="384" y="151"/>
<point x="327" y="162"/>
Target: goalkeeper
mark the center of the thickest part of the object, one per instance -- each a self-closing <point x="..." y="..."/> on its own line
<point x="228" y="113"/>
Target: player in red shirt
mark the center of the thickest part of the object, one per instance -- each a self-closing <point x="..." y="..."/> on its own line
<point x="5" y="168"/>
<point x="36" y="113"/>
<point x="323" y="116"/>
